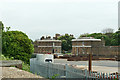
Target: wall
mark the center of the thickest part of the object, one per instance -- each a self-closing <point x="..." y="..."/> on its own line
<point x="47" y="47"/>
<point x="97" y="48"/>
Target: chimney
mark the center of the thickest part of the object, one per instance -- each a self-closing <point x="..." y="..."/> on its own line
<point x="42" y="38"/>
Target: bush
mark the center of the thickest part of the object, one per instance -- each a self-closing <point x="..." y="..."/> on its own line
<point x="17" y="44"/>
<point x="25" y="67"/>
<point x="66" y="42"/>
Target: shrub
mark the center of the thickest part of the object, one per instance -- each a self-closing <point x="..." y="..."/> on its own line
<point x="17" y="44"/>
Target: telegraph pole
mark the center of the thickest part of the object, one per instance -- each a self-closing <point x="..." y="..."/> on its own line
<point x="90" y="62"/>
<point x="90" y="59"/>
<point x="53" y="48"/>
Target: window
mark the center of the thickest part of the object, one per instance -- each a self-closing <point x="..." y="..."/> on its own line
<point x="48" y="60"/>
<point x="82" y="43"/>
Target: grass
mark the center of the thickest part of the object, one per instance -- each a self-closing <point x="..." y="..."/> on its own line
<point x="66" y="53"/>
<point x="25" y="67"/>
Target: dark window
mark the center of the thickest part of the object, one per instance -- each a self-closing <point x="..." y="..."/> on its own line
<point x="48" y="60"/>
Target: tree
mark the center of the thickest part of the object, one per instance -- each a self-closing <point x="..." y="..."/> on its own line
<point x="107" y="30"/>
<point x="84" y="35"/>
<point x="1" y="26"/>
<point x="66" y="42"/>
<point x="115" y="40"/>
<point x="17" y="44"/>
<point x="1" y="30"/>
<point x="111" y="39"/>
<point x="119" y="28"/>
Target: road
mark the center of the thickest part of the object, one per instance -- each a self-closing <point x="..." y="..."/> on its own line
<point x="106" y="63"/>
<point x="100" y="66"/>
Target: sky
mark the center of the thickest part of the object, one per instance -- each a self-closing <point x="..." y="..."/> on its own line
<point x="39" y="18"/>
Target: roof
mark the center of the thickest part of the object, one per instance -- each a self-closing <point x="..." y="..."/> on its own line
<point x="48" y="40"/>
<point x="86" y="40"/>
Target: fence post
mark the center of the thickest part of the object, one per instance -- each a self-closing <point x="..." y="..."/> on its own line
<point x="49" y="69"/>
<point x="31" y="68"/>
<point x="109" y="75"/>
<point x="66" y="69"/>
<point x="34" y="65"/>
<point x="112" y="76"/>
<point x="106" y="75"/>
<point x="47" y="74"/>
<point x="86" y="76"/>
<point x="99" y="75"/>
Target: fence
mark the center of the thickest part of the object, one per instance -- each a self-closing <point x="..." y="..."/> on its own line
<point x="49" y="70"/>
<point x="72" y="72"/>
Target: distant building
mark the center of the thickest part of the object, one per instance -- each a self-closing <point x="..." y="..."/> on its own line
<point x="47" y="46"/>
<point x="87" y="45"/>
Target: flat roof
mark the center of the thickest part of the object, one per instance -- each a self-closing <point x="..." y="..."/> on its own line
<point x="48" y="40"/>
<point x="86" y="39"/>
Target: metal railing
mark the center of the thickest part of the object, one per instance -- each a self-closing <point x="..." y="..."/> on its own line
<point x="48" y="70"/>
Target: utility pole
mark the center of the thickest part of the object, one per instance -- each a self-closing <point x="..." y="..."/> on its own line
<point x="90" y="62"/>
<point x="90" y="58"/>
<point x="53" y="48"/>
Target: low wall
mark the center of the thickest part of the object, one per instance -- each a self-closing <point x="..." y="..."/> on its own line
<point x="8" y="63"/>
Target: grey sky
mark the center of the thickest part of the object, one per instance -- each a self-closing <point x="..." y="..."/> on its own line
<point x="47" y="17"/>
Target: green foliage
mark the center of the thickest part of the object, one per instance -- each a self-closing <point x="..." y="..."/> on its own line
<point x="66" y="42"/>
<point x="2" y="57"/>
<point x="1" y="26"/>
<point x="25" y="67"/>
<point x="54" y="76"/>
<point x="17" y="44"/>
<point x="111" y="39"/>
<point x="84" y="35"/>
<point x="68" y="53"/>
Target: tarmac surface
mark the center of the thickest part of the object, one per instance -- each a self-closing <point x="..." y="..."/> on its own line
<point x="99" y="66"/>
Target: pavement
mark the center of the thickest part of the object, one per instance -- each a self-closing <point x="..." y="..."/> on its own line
<point x="12" y="72"/>
<point x="102" y="69"/>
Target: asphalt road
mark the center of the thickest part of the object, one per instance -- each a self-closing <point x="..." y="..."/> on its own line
<point x="106" y="63"/>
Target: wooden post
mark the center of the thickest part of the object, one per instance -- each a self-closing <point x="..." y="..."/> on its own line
<point x="90" y="62"/>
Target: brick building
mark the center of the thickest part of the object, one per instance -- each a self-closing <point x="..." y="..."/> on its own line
<point x="88" y="45"/>
<point x="47" y="46"/>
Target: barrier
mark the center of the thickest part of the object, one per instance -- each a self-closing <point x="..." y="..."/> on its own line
<point x="48" y="70"/>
